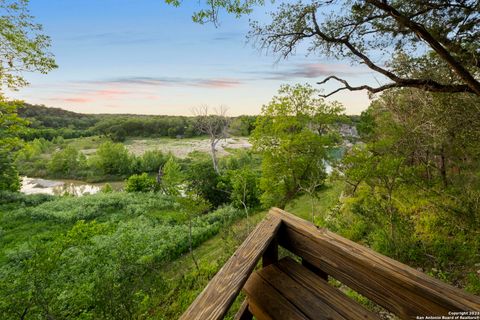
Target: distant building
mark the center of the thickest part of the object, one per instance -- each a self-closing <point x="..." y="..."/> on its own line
<point x="348" y="131"/>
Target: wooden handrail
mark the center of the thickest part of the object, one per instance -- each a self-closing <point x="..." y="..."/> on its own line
<point x="402" y="290"/>
<point x="217" y="297"/>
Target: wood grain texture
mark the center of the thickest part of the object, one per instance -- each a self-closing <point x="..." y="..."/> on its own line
<point x="267" y="303"/>
<point x="335" y="300"/>
<point x="393" y="285"/>
<point x="221" y="291"/>
<point x="307" y="302"/>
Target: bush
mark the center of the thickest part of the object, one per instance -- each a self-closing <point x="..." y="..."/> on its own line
<point x="18" y="198"/>
<point x="151" y="161"/>
<point x="66" y="163"/>
<point x="103" y="269"/>
<point x="141" y="183"/>
<point x="113" y="158"/>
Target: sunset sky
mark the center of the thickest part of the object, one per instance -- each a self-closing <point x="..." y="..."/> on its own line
<point x="143" y="56"/>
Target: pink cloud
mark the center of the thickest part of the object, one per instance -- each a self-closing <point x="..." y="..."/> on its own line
<point x="74" y="99"/>
<point x="93" y="95"/>
<point x="217" y="83"/>
<point x="110" y="93"/>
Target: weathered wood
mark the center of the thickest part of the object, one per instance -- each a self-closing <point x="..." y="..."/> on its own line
<point x="243" y="313"/>
<point x="217" y="297"/>
<point x="298" y="295"/>
<point x="267" y="303"/>
<point x="343" y="307"/>
<point x="322" y="274"/>
<point x="270" y="255"/>
<point x="402" y="290"/>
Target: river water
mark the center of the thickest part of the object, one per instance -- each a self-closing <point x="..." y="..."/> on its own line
<point x="76" y="187"/>
<point x="60" y="187"/>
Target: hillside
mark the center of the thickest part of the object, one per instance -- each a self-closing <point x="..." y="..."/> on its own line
<point x="47" y="122"/>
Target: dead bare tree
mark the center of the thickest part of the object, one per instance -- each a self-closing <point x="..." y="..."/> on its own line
<point x="215" y="125"/>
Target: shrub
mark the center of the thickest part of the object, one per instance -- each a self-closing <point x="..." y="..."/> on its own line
<point x="140" y="183"/>
<point x="66" y="163"/>
<point x="113" y="158"/>
<point x="151" y="161"/>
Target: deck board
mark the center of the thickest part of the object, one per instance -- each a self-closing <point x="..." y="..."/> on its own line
<point x="266" y="303"/>
<point x="288" y="290"/>
<point x="334" y="298"/>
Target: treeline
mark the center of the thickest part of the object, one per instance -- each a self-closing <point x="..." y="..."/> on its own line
<point x="49" y="123"/>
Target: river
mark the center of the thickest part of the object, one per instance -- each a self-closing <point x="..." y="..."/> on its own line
<point x="60" y="187"/>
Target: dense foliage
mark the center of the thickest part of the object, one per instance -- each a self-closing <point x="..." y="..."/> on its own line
<point x="414" y="185"/>
<point x="94" y="257"/>
<point x="11" y="126"/>
<point x="293" y="135"/>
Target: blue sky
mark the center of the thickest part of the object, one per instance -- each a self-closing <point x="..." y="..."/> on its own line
<point x="143" y="56"/>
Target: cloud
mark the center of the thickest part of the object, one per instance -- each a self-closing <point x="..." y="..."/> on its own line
<point x="309" y="71"/>
<point x="92" y="95"/>
<point x="217" y="83"/>
<point x="175" y="81"/>
<point x="73" y="99"/>
<point x="115" y="38"/>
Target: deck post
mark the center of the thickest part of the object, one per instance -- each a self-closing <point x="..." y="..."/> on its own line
<point x="270" y="256"/>
<point x="243" y="313"/>
<point x="322" y="274"/>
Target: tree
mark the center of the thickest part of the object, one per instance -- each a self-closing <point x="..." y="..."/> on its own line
<point x="172" y="177"/>
<point x="310" y="185"/>
<point x="23" y="47"/>
<point x="112" y="158"/>
<point x="286" y="134"/>
<point x="360" y="28"/>
<point x="245" y="191"/>
<point x="11" y="126"/>
<point x="201" y="179"/>
<point x="371" y="32"/>
<point x="65" y="163"/>
<point x="215" y="126"/>
<point x="192" y="205"/>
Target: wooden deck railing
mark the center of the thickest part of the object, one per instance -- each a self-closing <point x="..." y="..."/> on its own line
<point x="398" y="288"/>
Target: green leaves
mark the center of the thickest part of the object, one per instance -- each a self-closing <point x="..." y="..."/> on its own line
<point x="11" y="126"/>
<point x="23" y="45"/>
<point x="141" y="183"/>
<point x="57" y="261"/>
<point x="293" y="134"/>
<point x="172" y="177"/>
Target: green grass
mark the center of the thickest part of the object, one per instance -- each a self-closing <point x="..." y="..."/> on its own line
<point x="325" y="199"/>
<point x="86" y="143"/>
<point x="188" y="282"/>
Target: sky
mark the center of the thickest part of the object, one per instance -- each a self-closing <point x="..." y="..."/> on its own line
<point x="145" y="57"/>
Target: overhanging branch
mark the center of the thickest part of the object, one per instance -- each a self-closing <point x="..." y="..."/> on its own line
<point x="427" y="85"/>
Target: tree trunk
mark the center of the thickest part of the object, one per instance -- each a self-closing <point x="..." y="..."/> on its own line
<point x="443" y="167"/>
<point x="213" y="153"/>
<point x="313" y="208"/>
